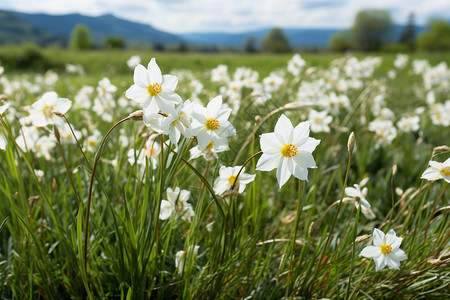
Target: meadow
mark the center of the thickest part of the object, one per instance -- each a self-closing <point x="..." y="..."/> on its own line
<point x="294" y="176"/>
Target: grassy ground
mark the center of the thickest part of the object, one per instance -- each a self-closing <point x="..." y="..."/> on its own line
<point x="266" y="243"/>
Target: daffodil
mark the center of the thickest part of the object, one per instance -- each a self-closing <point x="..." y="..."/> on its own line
<point x="156" y="92"/>
<point x="288" y="149"/>
<point x="385" y="250"/>
<point x="176" y="202"/>
<point x="41" y="111"/>
<point x="211" y="124"/>
<point x="437" y="171"/>
<point x="227" y="178"/>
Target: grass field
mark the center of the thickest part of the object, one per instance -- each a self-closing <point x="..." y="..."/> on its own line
<point x="125" y="210"/>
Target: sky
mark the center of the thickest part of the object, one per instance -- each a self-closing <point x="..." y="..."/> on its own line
<point x="184" y="16"/>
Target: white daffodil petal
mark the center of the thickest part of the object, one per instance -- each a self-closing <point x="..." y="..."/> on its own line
<point x="378" y="237"/>
<point x="370" y="252"/>
<point x="267" y="162"/>
<point x="154" y="72"/>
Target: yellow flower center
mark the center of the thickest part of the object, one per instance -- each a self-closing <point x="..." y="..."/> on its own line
<point x="212" y="124"/>
<point x="318" y="120"/>
<point x="289" y="150"/>
<point x="154" y="89"/>
<point x="48" y="111"/>
<point x="231" y="180"/>
<point x="445" y="171"/>
<point x="386" y="249"/>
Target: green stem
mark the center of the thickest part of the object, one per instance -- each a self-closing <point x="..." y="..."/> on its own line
<point x="359" y="282"/>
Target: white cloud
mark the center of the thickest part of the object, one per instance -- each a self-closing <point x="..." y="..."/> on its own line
<point x="180" y="16"/>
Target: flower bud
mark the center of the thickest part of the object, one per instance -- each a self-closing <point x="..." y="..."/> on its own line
<point x="351" y="142"/>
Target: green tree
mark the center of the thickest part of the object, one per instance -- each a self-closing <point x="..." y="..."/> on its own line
<point x="371" y="28"/>
<point x="250" y="44"/>
<point x="409" y="33"/>
<point x="114" y="42"/>
<point x="81" y="38"/>
<point x="276" y="41"/>
<point x="341" y="41"/>
<point x="436" y="38"/>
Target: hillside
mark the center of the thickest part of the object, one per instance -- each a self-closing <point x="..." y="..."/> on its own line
<point x="101" y="27"/>
<point x="14" y="30"/>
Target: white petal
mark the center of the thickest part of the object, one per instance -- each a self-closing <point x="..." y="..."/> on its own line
<point x="365" y="203"/>
<point x="309" y="145"/>
<point x="213" y="107"/>
<point x="380" y="262"/>
<point x="166" y="210"/>
<point x="137" y="93"/>
<point x="270" y="144"/>
<point x="300" y="172"/>
<point x="140" y="75"/>
<point x="351" y="192"/>
<point x="3" y="142"/>
<point x="378" y="237"/>
<point x="154" y="72"/>
<point x="63" y="105"/>
<point x="4" y="107"/>
<point x="283" y="173"/>
<point x="267" y="162"/>
<point x="165" y="105"/>
<point x="305" y="159"/>
<point x="169" y="82"/>
<point x="431" y="174"/>
<point x="391" y="238"/>
<point x="399" y="254"/>
<point x="392" y="262"/>
<point x="301" y="133"/>
<point x="284" y="128"/>
<point x="435" y="165"/>
<point x="370" y="252"/>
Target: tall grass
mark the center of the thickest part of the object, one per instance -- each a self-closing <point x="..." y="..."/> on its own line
<point x="90" y="227"/>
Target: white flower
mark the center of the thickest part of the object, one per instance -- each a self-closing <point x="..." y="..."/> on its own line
<point x="209" y="153"/>
<point x="288" y="149"/>
<point x="41" y="112"/>
<point x="176" y="202"/>
<point x="133" y="61"/>
<point x="356" y="192"/>
<point x="105" y="87"/>
<point x="227" y="177"/>
<point x="386" y="250"/>
<point x="401" y="60"/>
<point x="211" y="124"/>
<point x="180" y="257"/>
<point x="220" y="74"/>
<point x="149" y="152"/>
<point x="272" y="83"/>
<point x="296" y="64"/>
<point x="437" y="171"/>
<point x="408" y="124"/>
<point x="153" y="90"/>
<point x="319" y="121"/>
<point x="179" y="122"/>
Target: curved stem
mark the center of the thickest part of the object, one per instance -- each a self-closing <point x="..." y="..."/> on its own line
<point x="91" y="184"/>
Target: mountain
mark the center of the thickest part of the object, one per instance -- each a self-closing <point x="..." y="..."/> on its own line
<point x="297" y="37"/>
<point x="101" y="27"/>
<point x="13" y="30"/>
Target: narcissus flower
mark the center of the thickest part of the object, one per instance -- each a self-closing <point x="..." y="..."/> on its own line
<point x="211" y="124"/>
<point x="437" y="171"/>
<point x="289" y="150"/>
<point x="176" y="202"/>
<point x="153" y="90"/>
<point x="227" y="176"/>
<point x="385" y="250"/>
<point x="41" y="112"/>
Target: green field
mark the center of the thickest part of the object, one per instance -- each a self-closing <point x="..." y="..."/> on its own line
<point x="95" y="218"/>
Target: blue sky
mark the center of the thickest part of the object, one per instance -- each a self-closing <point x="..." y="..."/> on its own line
<point x="182" y="16"/>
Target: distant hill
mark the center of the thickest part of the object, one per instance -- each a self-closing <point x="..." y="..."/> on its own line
<point x="297" y="37"/>
<point x="14" y="30"/>
<point x="44" y="29"/>
<point x="101" y="27"/>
